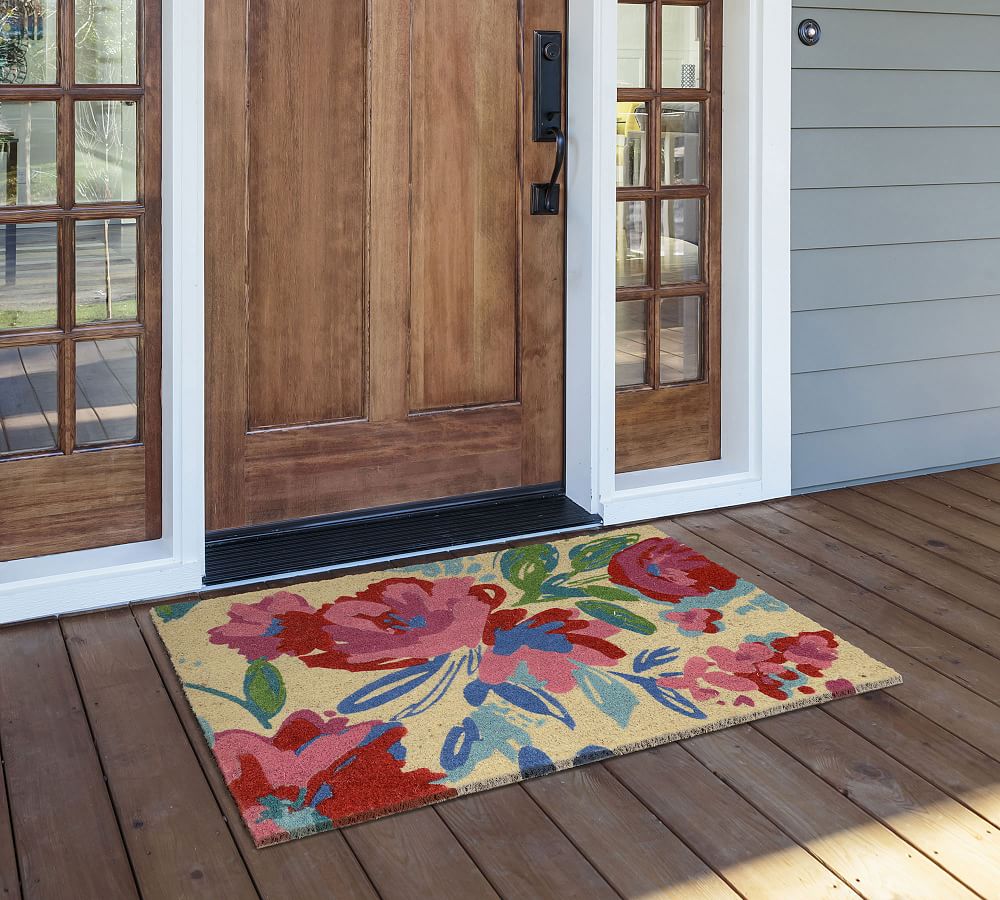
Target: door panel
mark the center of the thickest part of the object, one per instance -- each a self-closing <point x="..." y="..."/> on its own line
<point x="396" y="331"/>
<point x="306" y="195"/>
<point x="465" y="232"/>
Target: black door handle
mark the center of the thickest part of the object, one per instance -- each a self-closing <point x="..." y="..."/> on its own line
<point x="545" y="197"/>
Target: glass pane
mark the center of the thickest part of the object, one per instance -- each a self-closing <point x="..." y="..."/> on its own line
<point x="106" y="41"/>
<point x="680" y="339"/>
<point x="632" y="45"/>
<point x="107" y="270"/>
<point x="682" y="43"/>
<point x="632" y="265"/>
<point x="28" y="153"/>
<point x="680" y="237"/>
<point x="106" y="140"/>
<point x="29" y="263"/>
<point x="106" y="394"/>
<point x="630" y="343"/>
<point x="29" y="392"/>
<point x="633" y="121"/>
<point x="29" y="37"/>
<point x="681" y="132"/>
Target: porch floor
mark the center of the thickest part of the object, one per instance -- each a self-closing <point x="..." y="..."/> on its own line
<point x="109" y="790"/>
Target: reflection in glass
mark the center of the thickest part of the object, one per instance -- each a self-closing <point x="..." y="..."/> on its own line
<point x="107" y="271"/>
<point x="680" y="237"/>
<point x="632" y="265"/>
<point x="29" y="36"/>
<point x="630" y="343"/>
<point x="681" y="131"/>
<point x="106" y="140"/>
<point x="632" y="131"/>
<point x="631" y="45"/>
<point x="106" y="35"/>
<point x="29" y="392"/>
<point x="29" y="264"/>
<point x="106" y="391"/>
<point x="680" y="340"/>
<point x="27" y="153"/>
<point x="682" y="46"/>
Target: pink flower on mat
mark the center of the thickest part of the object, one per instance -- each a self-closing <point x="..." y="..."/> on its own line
<point x="810" y="651"/>
<point x="841" y="687"/>
<point x="702" y="620"/>
<point x="550" y="644"/>
<point x="393" y="624"/>
<point x="255" y="629"/>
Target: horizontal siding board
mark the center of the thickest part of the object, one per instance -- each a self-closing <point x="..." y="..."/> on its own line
<point x="847" y="217"/>
<point x="887" y="393"/>
<point x="825" y="98"/>
<point x="860" y="39"/>
<point x="897" y="273"/>
<point x="965" y="7"/>
<point x="891" y="448"/>
<point x="870" y="157"/>
<point x="872" y="335"/>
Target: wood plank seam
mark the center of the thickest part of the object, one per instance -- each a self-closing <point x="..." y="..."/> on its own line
<point x="879" y="494"/>
<point x="946" y="534"/>
<point x="985" y="696"/>
<point x="774" y="822"/>
<point x="100" y="760"/>
<point x="885" y="821"/>
<point x="5" y="787"/>
<point x="180" y="715"/>
<point x="885" y="595"/>
<point x="675" y="833"/>
<point x="940" y="785"/>
<point x="491" y="882"/>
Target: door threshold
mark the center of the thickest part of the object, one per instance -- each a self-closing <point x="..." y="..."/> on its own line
<point x="309" y="546"/>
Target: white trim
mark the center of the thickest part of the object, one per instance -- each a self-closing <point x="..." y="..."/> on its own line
<point x="756" y="419"/>
<point x="87" y="579"/>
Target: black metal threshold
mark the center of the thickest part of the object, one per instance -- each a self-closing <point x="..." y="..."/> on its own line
<point x="307" y="545"/>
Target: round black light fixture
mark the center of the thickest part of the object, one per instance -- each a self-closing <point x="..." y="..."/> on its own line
<point x="810" y="32"/>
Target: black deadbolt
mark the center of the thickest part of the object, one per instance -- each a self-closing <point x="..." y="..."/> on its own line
<point x="552" y="51"/>
<point x="810" y="32"/>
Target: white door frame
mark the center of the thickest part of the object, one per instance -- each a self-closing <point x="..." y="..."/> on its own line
<point x="757" y="311"/>
<point x="756" y="288"/>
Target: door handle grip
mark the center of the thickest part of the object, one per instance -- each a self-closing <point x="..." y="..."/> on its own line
<point x="545" y="197"/>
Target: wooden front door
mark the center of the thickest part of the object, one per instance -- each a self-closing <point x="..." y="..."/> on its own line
<point x="79" y="275"/>
<point x="385" y="316"/>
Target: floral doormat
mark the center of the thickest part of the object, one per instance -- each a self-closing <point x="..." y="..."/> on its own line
<point x="338" y="701"/>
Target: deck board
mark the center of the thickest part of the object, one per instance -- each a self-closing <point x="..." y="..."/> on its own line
<point x="888" y="794"/>
<point x="153" y="775"/>
<point x="61" y="813"/>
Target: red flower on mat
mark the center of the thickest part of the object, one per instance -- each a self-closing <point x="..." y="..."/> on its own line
<point x="550" y="644"/>
<point x="810" y="651"/>
<point x="255" y="629"/>
<point x="756" y="666"/>
<point x="693" y="620"/>
<point x="393" y="624"/>
<point x="316" y="773"/>
<point x="665" y="569"/>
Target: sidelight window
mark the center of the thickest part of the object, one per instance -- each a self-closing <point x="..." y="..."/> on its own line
<point x="666" y="101"/>
<point x="78" y="227"/>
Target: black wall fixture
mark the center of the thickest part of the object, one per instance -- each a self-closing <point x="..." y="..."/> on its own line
<point x="810" y="32"/>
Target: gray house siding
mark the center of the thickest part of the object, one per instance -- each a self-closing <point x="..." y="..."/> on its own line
<point x="895" y="239"/>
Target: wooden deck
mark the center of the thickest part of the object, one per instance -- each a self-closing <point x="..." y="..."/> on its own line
<point x="110" y="791"/>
